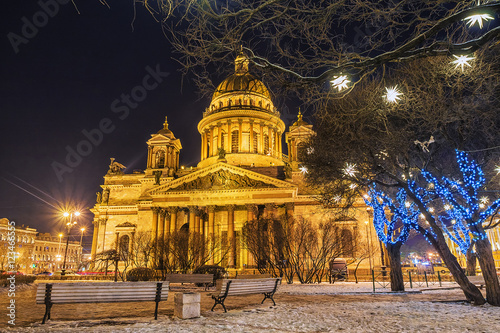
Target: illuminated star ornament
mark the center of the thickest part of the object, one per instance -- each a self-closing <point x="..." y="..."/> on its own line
<point x="461" y="61"/>
<point x="303" y="170"/>
<point x="340" y="82"/>
<point x="479" y="18"/>
<point x="350" y="170"/>
<point x="392" y="94"/>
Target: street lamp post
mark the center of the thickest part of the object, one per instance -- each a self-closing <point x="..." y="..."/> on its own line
<point x="368" y="244"/>
<point x="68" y="227"/>
<point x="81" y="248"/>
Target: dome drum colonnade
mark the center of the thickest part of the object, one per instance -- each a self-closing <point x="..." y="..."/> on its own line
<point x="243" y="121"/>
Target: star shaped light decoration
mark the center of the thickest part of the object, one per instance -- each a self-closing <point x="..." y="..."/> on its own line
<point x="478" y="18"/>
<point x="303" y="170"/>
<point x="340" y="82"/>
<point x="350" y="170"/>
<point x="461" y="61"/>
<point x="392" y="94"/>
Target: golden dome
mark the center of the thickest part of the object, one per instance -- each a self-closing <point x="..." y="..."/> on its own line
<point x="241" y="83"/>
<point x="241" y="80"/>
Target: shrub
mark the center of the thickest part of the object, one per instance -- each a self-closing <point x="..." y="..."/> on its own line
<point x="141" y="274"/>
<point x="20" y="279"/>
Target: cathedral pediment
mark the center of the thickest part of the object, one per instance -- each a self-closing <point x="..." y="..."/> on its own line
<point x="221" y="176"/>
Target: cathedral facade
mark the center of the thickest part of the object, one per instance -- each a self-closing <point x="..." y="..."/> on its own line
<point x="243" y="174"/>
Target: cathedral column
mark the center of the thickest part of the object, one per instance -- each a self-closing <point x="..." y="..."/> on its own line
<point x="280" y="145"/>
<point x="251" y="215"/>
<point x="270" y="136"/>
<point x="192" y="214"/>
<point x="202" y="152"/>
<point x="211" y="142"/>
<point x="230" y="236"/>
<point x="150" y="157"/>
<point x="276" y="144"/>
<point x="161" y="226"/>
<point x="173" y="218"/>
<point x="154" y="225"/>
<point x="261" y="144"/>
<point x="117" y="240"/>
<point x="166" y="230"/>
<point x="251" y="136"/>
<point x="219" y="136"/>
<point x="228" y="143"/>
<point x="103" y="224"/>
<point x="94" y="239"/>
<point x="240" y="135"/>
<point x="197" y="226"/>
<point x="269" y="210"/>
<point x="289" y="207"/>
<point x="211" y="233"/>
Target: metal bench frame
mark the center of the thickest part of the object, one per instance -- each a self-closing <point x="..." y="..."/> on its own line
<point x="220" y="299"/>
<point x="48" y="301"/>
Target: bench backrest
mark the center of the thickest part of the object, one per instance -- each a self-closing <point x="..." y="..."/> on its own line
<point x="253" y="276"/>
<point x="101" y="292"/>
<point x="189" y="278"/>
<point x="247" y="286"/>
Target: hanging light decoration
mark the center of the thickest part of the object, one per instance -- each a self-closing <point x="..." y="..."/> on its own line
<point x="303" y="170"/>
<point x="392" y="94"/>
<point x="461" y="61"/>
<point x="478" y="18"/>
<point x="340" y="82"/>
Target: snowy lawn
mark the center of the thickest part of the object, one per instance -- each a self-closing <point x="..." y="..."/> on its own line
<point x="342" y="307"/>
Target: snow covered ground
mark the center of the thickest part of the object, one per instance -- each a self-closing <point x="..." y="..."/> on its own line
<point x="342" y="307"/>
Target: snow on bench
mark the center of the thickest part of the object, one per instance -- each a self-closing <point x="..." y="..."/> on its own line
<point x="100" y="292"/>
<point x="233" y="287"/>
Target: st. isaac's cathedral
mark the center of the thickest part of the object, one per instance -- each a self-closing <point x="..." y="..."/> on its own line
<point x="243" y="174"/>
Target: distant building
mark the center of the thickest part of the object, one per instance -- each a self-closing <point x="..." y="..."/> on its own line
<point x="494" y="238"/>
<point x="48" y="254"/>
<point x="37" y="252"/>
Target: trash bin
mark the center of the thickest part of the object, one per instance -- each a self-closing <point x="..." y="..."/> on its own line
<point x="187" y="305"/>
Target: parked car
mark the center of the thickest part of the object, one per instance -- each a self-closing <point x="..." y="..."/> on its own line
<point x="44" y="274"/>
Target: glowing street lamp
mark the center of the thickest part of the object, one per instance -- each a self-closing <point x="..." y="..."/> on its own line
<point x="69" y="224"/>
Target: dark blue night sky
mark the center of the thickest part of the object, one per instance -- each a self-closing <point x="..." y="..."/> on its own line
<point x="70" y="76"/>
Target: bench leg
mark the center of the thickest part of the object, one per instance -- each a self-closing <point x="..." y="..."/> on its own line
<point x="46" y="316"/>
<point x="270" y="296"/>
<point x="156" y="310"/>
<point x="219" y="300"/>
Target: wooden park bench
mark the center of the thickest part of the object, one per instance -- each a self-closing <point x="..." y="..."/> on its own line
<point x="205" y="279"/>
<point x="253" y="276"/>
<point x="233" y="287"/>
<point x="100" y="292"/>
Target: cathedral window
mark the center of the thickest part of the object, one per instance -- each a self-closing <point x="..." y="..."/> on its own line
<point x="347" y="243"/>
<point x="124" y="247"/>
<point x="234" y="141"/>
<point x="260" y="103"/>
<point x="160" y="159"/>
<point x="220" y="105"/>
<point x="229" y="102"/>
<point x="266" y="144"/>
